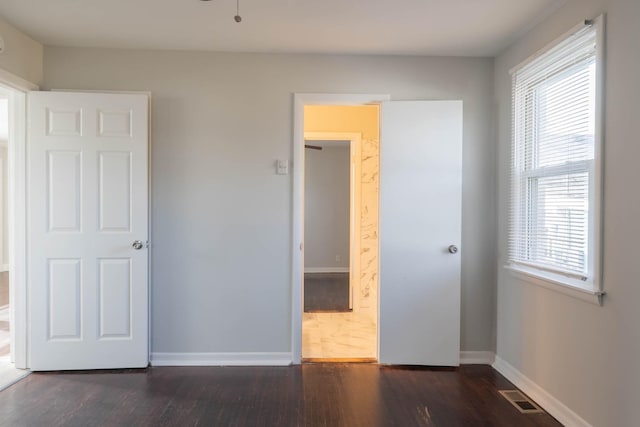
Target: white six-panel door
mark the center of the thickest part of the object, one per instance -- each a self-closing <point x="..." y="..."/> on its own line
<point x="87" y="205"/>
<point x="420" y="218"/>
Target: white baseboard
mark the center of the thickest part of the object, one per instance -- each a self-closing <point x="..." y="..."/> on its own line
<point x="272" y="359"/>
<point x="549" y="403"/>
<point x="326" y="269"/>
<point x="220" y="359"/>
<point x="4" y="267"/>
<point x="477" y="357"/>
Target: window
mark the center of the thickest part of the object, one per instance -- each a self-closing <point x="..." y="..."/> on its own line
<point x="554" y="230"/>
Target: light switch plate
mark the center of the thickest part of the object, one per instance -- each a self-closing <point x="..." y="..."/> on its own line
<point x="282" y="167"/>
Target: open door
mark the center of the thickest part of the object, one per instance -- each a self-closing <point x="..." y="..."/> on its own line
<point x="87" y="258"/>
<point x="420" y="229"/>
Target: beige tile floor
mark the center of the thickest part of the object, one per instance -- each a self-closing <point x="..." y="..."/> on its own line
<point x="338" y="335"/>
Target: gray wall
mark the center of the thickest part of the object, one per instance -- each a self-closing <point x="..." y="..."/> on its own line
<point x="326" y="207"/>
<point x="22" y="55"/>
<point x="221" y="218"/>
<point x="584" y="355"/>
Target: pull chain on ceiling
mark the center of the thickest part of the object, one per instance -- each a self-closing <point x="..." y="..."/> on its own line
<point x="236" y="18"/>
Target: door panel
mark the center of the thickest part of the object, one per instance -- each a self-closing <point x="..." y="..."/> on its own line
<point x="87" y="203"/>
<point x="64" y="184"/>
<point x="115" y="191"/>
<point x="420" y="216"/>
<point x="115" y="298"/>
<point x="65" y="299"/>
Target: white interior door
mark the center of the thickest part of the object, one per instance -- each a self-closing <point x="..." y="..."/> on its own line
<point x="87" y="205"/>
<point x="420" y="215"/>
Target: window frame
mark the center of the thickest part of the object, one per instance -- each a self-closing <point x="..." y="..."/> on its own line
<point x="589" y="288"/>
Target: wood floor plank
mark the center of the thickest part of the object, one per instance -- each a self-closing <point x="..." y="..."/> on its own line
<point x="332" y="394"/>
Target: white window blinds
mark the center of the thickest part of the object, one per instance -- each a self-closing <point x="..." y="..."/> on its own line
<point x="554" y="150"/>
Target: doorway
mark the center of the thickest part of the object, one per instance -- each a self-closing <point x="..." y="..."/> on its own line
<point x="330" y="214"/>
<point x="12" y="229"/>
<point x="333" y="219"/>
<point x="340" y="233"/>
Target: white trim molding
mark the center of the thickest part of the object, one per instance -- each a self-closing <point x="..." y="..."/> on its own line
<point x="220" y="359"/>
<point x="17" y="89"/>
<point x="477" y="357"/>
<point x="538" y="279"/>
<point x="549" y="403"/>
<point x="16" y="82"/>
<point x="326" y="269"/>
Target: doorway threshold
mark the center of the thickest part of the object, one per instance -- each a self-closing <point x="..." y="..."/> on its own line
<point x="9" y="374"/>
<point x="339" y="360"/>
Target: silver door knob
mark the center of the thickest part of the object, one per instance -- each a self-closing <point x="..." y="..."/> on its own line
<point x="137" y="245"/>
<point x="452" y="249"/>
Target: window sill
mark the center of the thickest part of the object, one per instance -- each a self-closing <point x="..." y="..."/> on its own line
<point x="556" y="283"/>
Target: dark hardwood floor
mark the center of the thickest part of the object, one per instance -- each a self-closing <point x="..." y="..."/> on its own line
<point x="308" y="395"/>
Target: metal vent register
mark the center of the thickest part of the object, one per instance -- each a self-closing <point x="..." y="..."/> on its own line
<point x="520" y="401"/>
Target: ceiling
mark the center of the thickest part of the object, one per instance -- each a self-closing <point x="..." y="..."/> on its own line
<point x="413" y="27"/>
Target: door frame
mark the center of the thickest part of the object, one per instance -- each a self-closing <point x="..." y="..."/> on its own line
<point x="17" y="89"/>
<point x="355" y="159"/>
<point x="300" y="100"/>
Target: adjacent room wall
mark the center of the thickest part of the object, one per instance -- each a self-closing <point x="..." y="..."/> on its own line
<point x="221" y="217"/>
<point x="326" y="211"/>
<point x="22" y="55"/>
<point x="583" y="355"/>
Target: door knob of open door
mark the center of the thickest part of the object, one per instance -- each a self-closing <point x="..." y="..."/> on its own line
<point x="137" y="245"/>
<point x="452" y="249"/>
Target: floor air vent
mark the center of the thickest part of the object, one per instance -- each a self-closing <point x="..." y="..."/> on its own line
<point x="520" y="401"/>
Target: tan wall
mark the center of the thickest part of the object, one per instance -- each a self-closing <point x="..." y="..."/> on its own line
<point x="22" y="56"/>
